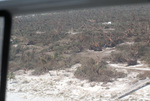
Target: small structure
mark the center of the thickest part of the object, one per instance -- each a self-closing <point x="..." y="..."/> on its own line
<point x="107" y="23"/>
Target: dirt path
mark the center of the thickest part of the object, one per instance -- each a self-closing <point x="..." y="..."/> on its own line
<point x="139" y="67"/>
<point x="96" y="55"/>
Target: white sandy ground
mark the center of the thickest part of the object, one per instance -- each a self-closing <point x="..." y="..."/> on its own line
<point x="63" y="86"/>
<point x="139" y="66"/>
<point x="127" y="43"/>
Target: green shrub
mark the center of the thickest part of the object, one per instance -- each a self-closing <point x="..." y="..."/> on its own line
<point x="118" y="57"/>
<point x="144" y="75"/>
<point x="13" y="52"/>
<point x="11" y="75"/>
<point x="97" y="72"/>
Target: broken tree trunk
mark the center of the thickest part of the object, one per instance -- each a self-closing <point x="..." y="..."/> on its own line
<point x="133" y="88"/>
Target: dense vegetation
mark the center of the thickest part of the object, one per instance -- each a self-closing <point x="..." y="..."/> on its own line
<point x="52" y="40"/>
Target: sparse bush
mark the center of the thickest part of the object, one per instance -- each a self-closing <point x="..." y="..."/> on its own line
<point x="132" y="62"/>
<point x="126" y="54"/>
<point x="14" y="66"/>
<point x="91" y="36"/>
<point x="144" y="75"/>
<point x="56" y="55"/>
<point x="146" y="58"/>
<point x="137" y="39"/>
<point x="142" y="51"/>
<point x="38" y="70"/>
<point x="13" y="52"/>
<point x="11" y="75"/>
<point x="95" y="47"/>
<point x="97" y="72"/>
<point x="118" y="57"/>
